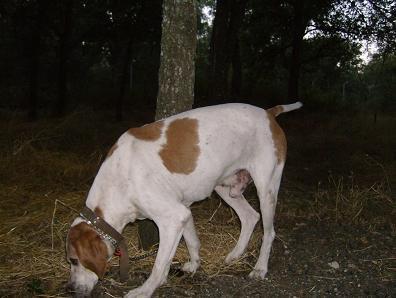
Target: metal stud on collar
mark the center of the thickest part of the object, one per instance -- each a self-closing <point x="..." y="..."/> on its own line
<point x="102" y="234"/>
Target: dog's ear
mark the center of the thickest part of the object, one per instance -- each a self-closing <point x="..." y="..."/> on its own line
<point x="95" y="257"/>
<point x="90" y="248"/>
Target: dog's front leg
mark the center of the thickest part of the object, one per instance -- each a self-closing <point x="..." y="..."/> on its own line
<point x="170" y="224"/>
<point x="193" y="245"/>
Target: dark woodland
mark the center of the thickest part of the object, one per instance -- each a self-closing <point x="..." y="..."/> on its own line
<point x="75" y="74"/>
<point x="61" y="56"/>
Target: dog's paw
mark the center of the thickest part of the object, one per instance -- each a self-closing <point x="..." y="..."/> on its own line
<point x="258" y="274"/>
<point x="137" y="293"/>
<point x="191" y="267"/>
<point x="231" y="257"/>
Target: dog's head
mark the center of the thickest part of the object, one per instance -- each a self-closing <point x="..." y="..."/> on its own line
<point x="87" y="254"/>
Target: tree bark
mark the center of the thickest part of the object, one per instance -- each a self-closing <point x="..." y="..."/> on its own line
<point x="177" y="68"/>
<point x="176" y="75"/>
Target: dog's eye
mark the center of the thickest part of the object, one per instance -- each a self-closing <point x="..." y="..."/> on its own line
<point x="73" y="261"/>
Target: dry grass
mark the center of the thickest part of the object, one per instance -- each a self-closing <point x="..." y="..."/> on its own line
<point x="51" y="160"/>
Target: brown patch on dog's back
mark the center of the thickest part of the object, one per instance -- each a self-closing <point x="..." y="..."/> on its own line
<point x="89" y="247"/>
<point x="149" y="132"/>
<point x="278" y="136"/>
<point x="181" y="151"/>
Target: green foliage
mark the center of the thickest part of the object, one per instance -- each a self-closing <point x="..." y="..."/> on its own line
<point x="362" y="19"/>
<point x="379" y="76"/>
<point x="332" y="72"/>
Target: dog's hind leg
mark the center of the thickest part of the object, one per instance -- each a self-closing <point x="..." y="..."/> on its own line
<point x="267" y="183"/>
<point x="248" y="217"/>
<point x="193" y="245"/>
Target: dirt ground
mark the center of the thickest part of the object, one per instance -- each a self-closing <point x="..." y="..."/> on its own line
<point x="335" y="220"/>
<point x="303" y="263"/>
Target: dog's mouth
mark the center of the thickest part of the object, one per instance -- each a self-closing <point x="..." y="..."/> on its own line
<point x="77" y="292"/>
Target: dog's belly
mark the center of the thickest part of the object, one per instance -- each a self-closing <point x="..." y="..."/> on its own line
<point x="196" y="189"/>
<point x="237" y="182"/>
<point x="197" y="192"/>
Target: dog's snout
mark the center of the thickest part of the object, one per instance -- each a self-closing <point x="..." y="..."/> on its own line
<point x="75" y="291"/>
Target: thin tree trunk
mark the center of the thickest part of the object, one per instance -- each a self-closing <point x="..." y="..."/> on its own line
<point x="218" y="56"/>
<point x="64" y="54"/>
<point x="125" y="75"/>
<point x="295" y="64"/>
<point x="224" y="47"/>
<point x="237" y="14"/>
<point x="176" y="75"/>
<point x="34" y="61"/>
<point x="33" y="75"/>
<point x="236" y="81"/>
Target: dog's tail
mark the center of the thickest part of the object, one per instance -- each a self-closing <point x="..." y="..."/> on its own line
<point x="275" y="111"/>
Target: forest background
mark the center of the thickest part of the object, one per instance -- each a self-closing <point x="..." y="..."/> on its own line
<point x="58" y="56"/>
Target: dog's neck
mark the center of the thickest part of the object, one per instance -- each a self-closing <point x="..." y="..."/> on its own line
<point x="118" y="218"/>
<point x="106" y="201"/>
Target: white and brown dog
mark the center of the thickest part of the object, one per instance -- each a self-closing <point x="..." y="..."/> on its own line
<point x="158" y="170"/>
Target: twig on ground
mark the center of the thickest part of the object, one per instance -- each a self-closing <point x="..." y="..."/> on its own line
<point x="218" y="207"/>
<point x="324" y="277"/>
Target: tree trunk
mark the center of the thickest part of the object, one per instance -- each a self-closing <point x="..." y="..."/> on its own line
<point x="33" y="74"/>
<point x="295" y="63"/>
<point x="237" y="14"/>
<point x="236" y="81"/>
<point x="224" y="46"/>
<point x="176" y="75"/>
<point x="124" y="78"/>
<point x="177" y="68"/>
<point x="34" y="61"/>
<point x="64" y="54"/>
<point x="219" y="53"/>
